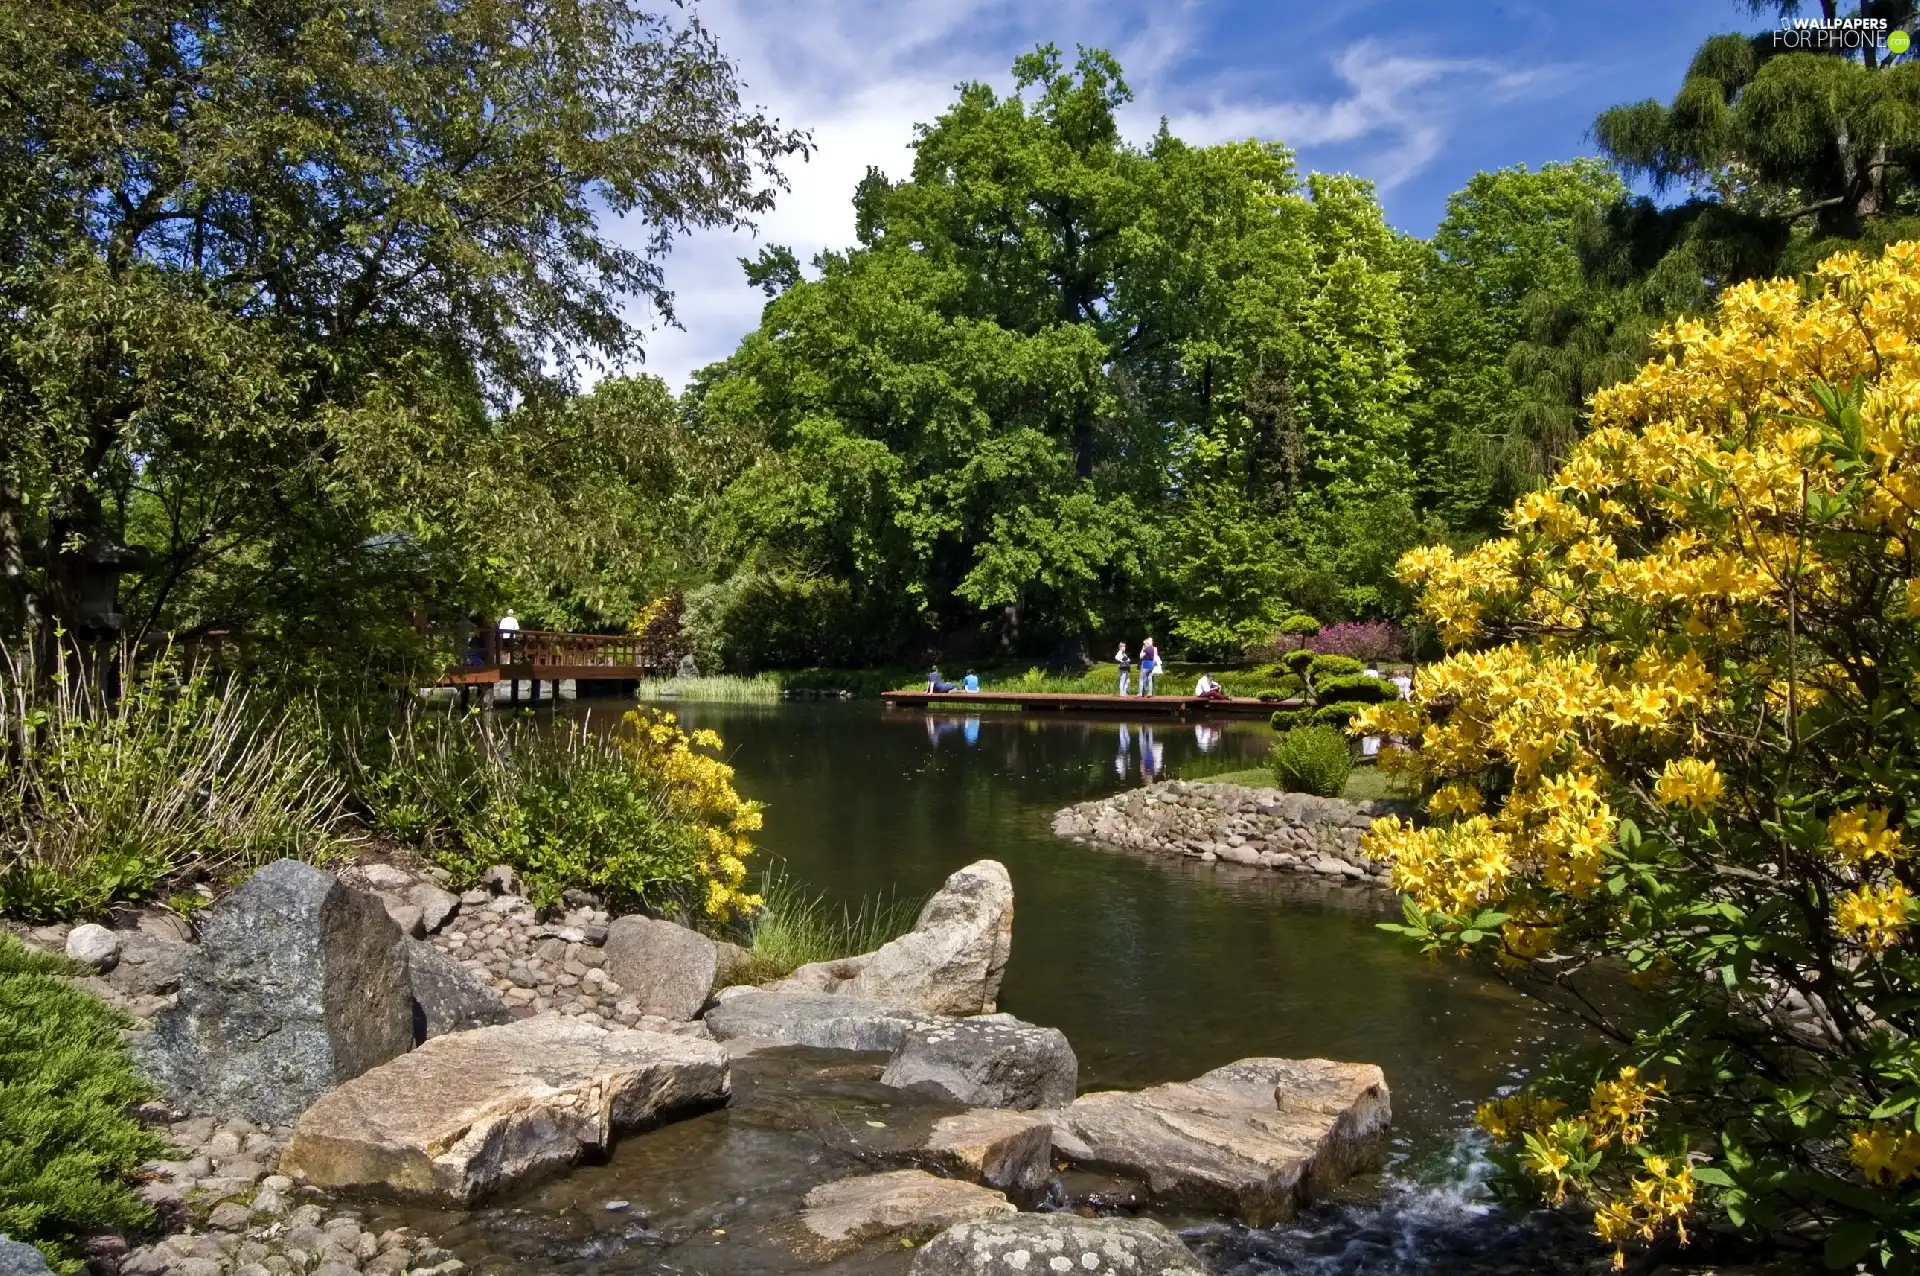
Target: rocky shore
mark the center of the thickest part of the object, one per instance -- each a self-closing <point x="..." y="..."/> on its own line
<point x="1258" y="828"/>
<point x="346" y="1055"/>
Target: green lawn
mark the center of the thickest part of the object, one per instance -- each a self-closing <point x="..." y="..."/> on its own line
<point x="1366" y="784"/>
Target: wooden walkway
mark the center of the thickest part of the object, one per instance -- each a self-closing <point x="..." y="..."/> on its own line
<point x="538" y="655"/>
<point x="1132" y="706"/>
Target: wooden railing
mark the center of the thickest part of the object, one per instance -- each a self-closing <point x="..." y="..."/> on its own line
<point x="527" y="651"/>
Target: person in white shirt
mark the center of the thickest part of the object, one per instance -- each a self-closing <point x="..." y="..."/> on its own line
<point x="509" y="623"/>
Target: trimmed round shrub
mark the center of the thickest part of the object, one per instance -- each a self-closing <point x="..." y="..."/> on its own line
<point x="1314" y="760"/>
<point x="1297" y="661"/>
<point x="1356" y="687"/>
<point x="1284" y="719"/>
<point x="1339" y="715"/>
<point x="1325" y="666"/>
<point x="1299" y="623"/>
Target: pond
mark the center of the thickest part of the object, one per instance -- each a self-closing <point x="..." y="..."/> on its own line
<point x="1156" y="970"/>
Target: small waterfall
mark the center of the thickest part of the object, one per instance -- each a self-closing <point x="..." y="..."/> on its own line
<point x="1435" y="1220"/>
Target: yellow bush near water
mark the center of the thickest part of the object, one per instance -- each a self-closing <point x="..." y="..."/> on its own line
<point x="1647" y="643"/>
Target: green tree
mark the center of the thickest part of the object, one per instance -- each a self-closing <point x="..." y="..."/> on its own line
<point x="272" y="275"/>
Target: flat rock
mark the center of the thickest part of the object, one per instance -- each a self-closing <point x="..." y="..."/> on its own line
<point x="1008" y="1150"/>
<point x="909" y="1204"/>
<point x="20" y="1259"/>
<point x="668" y="969"/>
<point x="1257" y="1138"/>
<point x="149" y="965"/>
<point x="385" y="877"/>
<point x="988" y="1061"/>
<point x="297" y="985"/>
<point x="447" y="997"/>
<point x="950" y="963"/>
<point x="473" y="1112"/>
<point x="436" y="906"/>
<point x="823" y="1020"/>
<point x="1045" y="1244"/>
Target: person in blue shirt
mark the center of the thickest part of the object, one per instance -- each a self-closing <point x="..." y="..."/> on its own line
<point x="1149" y="665"/>
<point x="972" y="681"/>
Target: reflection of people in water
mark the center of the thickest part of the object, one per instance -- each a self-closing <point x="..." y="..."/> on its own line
<point x="971" y="730"/>
<point x="1206" y="735"/>
<point x="938" y="726"/>
<point x="1120" y="758"/>
<point x="1151" y="754"/>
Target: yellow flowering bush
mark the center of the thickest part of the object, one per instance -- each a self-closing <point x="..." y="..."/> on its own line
<point x="700" y="795"/>
<point x="1676" y="733"/>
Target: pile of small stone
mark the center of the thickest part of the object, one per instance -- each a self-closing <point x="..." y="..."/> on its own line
<point x="235" y="1217"/>
<point x="1261" y="828"/>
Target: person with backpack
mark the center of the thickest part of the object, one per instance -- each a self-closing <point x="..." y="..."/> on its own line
<point x="1125" y="662"/>
<point x="1149" y="665"/>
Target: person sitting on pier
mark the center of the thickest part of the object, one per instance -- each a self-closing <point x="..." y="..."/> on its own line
<point x="937" y="684"/>
<point x="971" y="682"/>
<point x="1208" y="689"/>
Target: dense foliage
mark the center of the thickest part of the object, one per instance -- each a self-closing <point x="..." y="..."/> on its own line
<point x="1314" y="760"/>
<point x="69" y="1148"/>
<point x="642" y="816"/>
<point x="1678" y="734"/>
<point x="272" y="275"/>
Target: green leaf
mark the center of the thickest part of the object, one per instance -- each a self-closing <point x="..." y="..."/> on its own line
<point x="1849" y="1242"/>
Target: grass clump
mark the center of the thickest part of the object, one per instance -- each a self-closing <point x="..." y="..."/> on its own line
<point x="719" y="688"/>
<point x="1314" y="760"/>
<point x="178" y="777"/>
<point x="795" y="927"/>
<point x="68" y="1148"/>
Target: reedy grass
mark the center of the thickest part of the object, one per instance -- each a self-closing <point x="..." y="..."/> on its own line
<point x="179" y="777"/>
<point x="723" y="688"/>
<point x="796" y="927"/>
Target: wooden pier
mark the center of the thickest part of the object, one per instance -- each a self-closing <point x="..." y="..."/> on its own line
<point x="1056" y="702"/>
<point x="514" y="656"/>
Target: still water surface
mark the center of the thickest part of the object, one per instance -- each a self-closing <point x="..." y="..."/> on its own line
<point x="1156" y="970"/>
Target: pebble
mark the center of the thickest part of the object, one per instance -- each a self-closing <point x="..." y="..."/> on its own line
<point x="614" y="1207"/>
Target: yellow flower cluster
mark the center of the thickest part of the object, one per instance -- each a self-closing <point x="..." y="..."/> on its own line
<point x="1517" y="1114"/>
<point x="1689" y="782"/>
<point x="1886" y="1156"/>
<point x="1618" y="1109"/>
<point x="1661" y="1195"/>
<point x="1874" y="916"/>
<point x="1600" y="649"/>
<point x="1860" y="833"/>
<point x="700" y="792"/>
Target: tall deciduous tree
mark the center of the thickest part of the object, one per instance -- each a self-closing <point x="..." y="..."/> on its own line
<point x="272" y="272"/>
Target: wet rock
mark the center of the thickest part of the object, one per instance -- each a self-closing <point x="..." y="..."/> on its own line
<point x="822" y="1020"/>
<point x="1257" y="1138"/>
<point x="472" y="1112"/>
<point x="94" y="946"/>
<point x="950" y="963"/>
<point x="1045" y="1244"/>
<point x="297" y="985"/>
<point x="989" y="1061"/>
<point x="909" y="1204"/>
<point x="1008" y="1150"/>
<point x="667" y="969"/>
<point x="447" y="997"/>
<point x="20" y="1259"/>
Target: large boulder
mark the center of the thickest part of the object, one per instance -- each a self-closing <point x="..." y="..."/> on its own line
<point x="298" y="984"/>
<point x="447" y="997"/>
<point x="911" y="1205"/>
<point x="988" y="1061"/>
<point x="950" y="963"/>
<point x="1008" y="1150"/>
<point x="1257" y="1138"/>
<point x="18" y="1259"/>
<point x="667" y="969"/>
<point x="821" y="1020"/>
<point x="473" y="1112"/>
<point x="1043" y="1244"/>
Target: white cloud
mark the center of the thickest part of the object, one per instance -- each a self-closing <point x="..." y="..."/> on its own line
<point x="1401" y="110"/>
<point x="860" y="73"/>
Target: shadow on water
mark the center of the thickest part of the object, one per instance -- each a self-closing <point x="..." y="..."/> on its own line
<point x="1155" y="969"/>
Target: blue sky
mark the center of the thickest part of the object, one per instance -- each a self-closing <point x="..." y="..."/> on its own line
<point x="1414" y="96"/>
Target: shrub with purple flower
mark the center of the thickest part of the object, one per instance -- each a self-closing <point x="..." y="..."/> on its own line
<point x="1362" y="639"/>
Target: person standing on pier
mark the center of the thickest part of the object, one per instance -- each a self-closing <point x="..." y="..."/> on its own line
<point x="1149" y="664"/>
<point x="1125" y="662"/>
